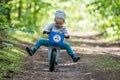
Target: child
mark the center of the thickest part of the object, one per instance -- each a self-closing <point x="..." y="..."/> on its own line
<point x="57" y="26"/>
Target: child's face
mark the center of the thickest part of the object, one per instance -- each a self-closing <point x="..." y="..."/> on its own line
<point x="59" y="22"/>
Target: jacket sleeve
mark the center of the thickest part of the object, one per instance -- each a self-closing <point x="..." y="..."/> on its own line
<point x="67" y="36"/>
<point x="48" y="28"/>
<point x="65" y="31"/>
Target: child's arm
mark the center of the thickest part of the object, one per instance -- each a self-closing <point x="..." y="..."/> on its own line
<point x="47" y="29"/>
<point x="66" y="33"/>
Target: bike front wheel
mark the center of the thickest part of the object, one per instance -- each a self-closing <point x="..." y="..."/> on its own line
<point x="52" y="61"/>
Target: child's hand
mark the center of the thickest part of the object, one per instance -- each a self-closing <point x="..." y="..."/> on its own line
<point x="67" y="36"/>
<point x="46" y="32"/>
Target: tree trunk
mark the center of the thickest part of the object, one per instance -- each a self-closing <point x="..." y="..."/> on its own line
<point x="20" y="9"/>
<point x="35" y="15"/>
<point x="35" y="12"/>
<point x="28" y="10"/>
<point x="8" y="16"/>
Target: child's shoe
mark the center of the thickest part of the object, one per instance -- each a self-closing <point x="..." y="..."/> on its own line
<point x="75" y="58"/>
<point x="56" y="63"/>
<point x="31" y="51"/>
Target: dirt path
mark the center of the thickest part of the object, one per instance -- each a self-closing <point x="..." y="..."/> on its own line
<point x="93" y="53"/>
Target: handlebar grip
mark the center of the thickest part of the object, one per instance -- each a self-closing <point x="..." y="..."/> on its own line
<point x="46" y="32"/>
<point x="67" y="37"/>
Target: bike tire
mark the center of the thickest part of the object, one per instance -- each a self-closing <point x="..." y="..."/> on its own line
<point x="52" y="61"/>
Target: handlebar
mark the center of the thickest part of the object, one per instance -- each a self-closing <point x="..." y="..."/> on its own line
<point x="47" y="32"/>
<point x="67" y="37"/>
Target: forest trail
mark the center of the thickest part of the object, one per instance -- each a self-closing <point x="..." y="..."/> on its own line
<point x="93" y="53"/>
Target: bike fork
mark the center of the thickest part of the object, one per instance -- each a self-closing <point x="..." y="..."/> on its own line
<point x="50" y="51"/>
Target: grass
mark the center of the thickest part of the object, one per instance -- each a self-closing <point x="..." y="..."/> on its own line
<point x="10" y="56"/>
<point x="10" y="59"/>
<point x="107" y="61"/>
<point x="24" y="37"/>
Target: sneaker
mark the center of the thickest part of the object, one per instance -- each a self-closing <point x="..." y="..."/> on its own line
<point x="30" y="51"/>
<point x="76" y="58"/>
<point x="56" y="63"/>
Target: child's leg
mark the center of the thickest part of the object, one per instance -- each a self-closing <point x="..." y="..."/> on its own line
<point x="68" y="48"/>
<point x="70" y="51"/>
<point x="39" y="43"/>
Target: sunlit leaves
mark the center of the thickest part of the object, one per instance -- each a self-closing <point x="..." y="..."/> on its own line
<point x="110" y="11"/>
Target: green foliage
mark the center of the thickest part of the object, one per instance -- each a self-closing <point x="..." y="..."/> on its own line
<point x="7" y="44"/>
<point x="10" y="59"/>
<point x="26" y="19"/>
<point x="30" y="15"/>
<point x="110" y="17"/>
<point x="27" y="31"/>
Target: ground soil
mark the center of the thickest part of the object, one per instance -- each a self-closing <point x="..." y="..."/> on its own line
<point x="88" y="47"/>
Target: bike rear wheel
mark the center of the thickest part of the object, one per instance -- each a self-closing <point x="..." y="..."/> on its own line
<point x="52" y="61"/>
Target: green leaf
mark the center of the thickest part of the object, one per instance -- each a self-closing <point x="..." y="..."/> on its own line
<point x="7" y="44"/>
<point x="28" y="31"/>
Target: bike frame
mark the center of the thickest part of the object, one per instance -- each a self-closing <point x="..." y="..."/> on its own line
<point x="50" y="48"/>
<point x="55" y="40"/>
